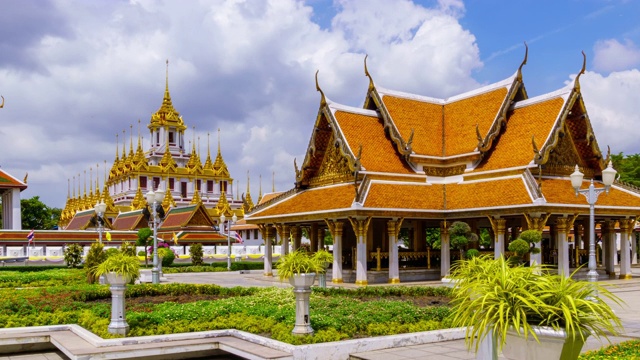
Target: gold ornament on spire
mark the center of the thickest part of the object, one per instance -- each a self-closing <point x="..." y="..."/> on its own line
<point x="167" y="115"/>
<point x="208" y="164"/>
<point x="219" y="165"/>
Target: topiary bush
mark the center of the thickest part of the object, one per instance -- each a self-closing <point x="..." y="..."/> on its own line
<point x="73" y="255"/>
<point x="196" y="254"/>
<point x="167" y="256"/>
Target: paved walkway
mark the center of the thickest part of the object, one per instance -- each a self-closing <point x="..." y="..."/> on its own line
<point x="627" y="290"/>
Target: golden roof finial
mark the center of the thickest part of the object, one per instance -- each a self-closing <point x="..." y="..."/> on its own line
<point x="117" y="154"/>
<point x="366" y="73"/>
<point x="2" y="105"/>
<point x="97" y="195"/>
<point x="91" y="183"/>
<point x="131" y="141"/>
<point x="524" y="61"/>
<point x="576" y="83"/>
<point x="167" y="114"/>
<point x="323" y="99"/>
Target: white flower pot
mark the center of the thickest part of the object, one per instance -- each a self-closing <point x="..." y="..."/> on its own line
<point x="553" y="344"/>
<point x="302" y="280"/>
<point x="302" y="289"/>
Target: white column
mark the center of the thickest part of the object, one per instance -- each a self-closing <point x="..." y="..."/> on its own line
<point x="268" y="234"/>
<point x="7" y="210"/>
<point x="360" y="227"/>
<point x="16" y="217"/>
<point x="445" y="257"/>
<point x="609" y="241"/>
<point x="626" y="227"/>
<point x="393" y="228"/>
<point x="634" y="245"/>
<point x="336" y="232"/>
<point x="562" y="224"/>
<point x="284" y="249"/>
<point x="499" y="227"/>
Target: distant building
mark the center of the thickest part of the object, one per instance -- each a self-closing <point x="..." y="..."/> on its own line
<point x="10" y="189"/>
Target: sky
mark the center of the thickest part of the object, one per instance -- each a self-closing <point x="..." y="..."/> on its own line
<point x="76" y="73"/>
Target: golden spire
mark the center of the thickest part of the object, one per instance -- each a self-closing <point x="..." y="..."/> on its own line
<point x="139" y="156"/>
<point x="248" y="203"/>
<point x="97" y="195"/>
<point x="85" y="201"/>
<point x="91" y="197"/>
<point x="208" y="164"/>
<point x="79" y="204"/>
<point x="219" y="165"/>
<point x="167" y="162"/>
<point x="130" y="157"/>
<point x="123" y="160"/>
<point x="260" y="193"/>
<point x="273" y="181"/>
<point x="196" y="195"/>
<point x="223" y="205"/>
<point x="139" y="201"/>
<point x="114" y="167"/>
<point x="167" y="114"/>
<point x="168" y="200"/>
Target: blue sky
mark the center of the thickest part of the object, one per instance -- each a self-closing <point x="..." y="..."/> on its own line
<point x="75" y="73"/>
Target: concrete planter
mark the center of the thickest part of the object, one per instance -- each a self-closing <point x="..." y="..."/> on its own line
<point x="302" y="289"/>
<point x="117" y="284"/>
<point x="553" y="345"/>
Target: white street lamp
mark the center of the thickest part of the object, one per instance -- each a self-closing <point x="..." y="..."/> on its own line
<point x="100" y="209"/>
<point x="154" y="198"/>
<point x="223" y="218"/>
<point x="591" y="193"/>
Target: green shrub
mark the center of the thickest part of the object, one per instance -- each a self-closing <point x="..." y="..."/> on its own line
<point x="195" y="250"/>
<point x="167" y="256"/>
<point x="73" y="255"/>
<point x="128" y="249"/>
<point x="471" y="253"/>
<point x="95" y="257"/>
<point x="112" y="251"/>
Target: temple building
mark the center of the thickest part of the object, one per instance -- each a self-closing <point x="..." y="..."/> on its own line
<point x="169" y="163"/>
<point x="492" y="157"/>
<point x="10" y="189"/>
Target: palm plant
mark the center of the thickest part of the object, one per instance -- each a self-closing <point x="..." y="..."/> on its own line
<point x="300" y="262"/>
<point x="493" y="296"/>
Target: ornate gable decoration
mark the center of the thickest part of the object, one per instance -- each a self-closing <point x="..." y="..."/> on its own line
<point x="329" y="158"/>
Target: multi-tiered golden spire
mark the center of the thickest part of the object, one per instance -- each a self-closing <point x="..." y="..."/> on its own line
<point x="219" y="165"/>
<point x="167" y="114"/>
<point x="248" y="202"/>
<point x="208" y="164"/>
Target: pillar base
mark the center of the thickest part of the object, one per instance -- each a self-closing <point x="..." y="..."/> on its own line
<point x="268" y="274"/>
<point x="362" y="282"/>
<point x="626" y="277"/>
<point x="394" y="281"/>
<point x="337" y="281"/>
<point x="612" y="275"/>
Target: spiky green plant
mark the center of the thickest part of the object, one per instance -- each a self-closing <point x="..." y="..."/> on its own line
<point x="127" y="266"/>
<point x="493" y="295"/>
<point x="298" y="262"/>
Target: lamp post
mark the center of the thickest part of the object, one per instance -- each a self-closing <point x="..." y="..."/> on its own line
<point x="154" y="199"/>
<point x="100" y="209"/>
<point x="592" y="193"/>
<point x="233" y="220"/>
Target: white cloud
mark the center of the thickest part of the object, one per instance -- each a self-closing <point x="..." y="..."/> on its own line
<point x="611" y="55"/>
<point x="246" y="67"/>
<point x="612" y="106"/>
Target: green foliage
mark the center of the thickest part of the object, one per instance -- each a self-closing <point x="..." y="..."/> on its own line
<point x="73" y="255"/>
<point x="485" y="238"/>
<point x="128" y="249"/>
<point x="519" y="247"/>
<point x="324" y="258"/>
<point x="298" y="262"/>
<point x="461" y="235"/>
<point x="195" y="250"/>
<point x="167" y="256"/>
<point x="111" y="252"/>
<point x="58" y="277"/>
<point x="491" y="294"/>
<point x="127" y="266"/>
<point x="37" y="215"/>
<point x="433" y="238"/>
<point x="628" y="167"/>
<point x="525" y="243"/>
<point x="145" y="238"/>
<point x="471" y="253"/>
<point x="95" y="257"/>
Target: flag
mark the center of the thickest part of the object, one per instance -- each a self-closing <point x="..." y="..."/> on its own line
<point x="175" y="238"/>
<point x="31" y="236"/>
<point x="238" y="238"/>
<point x="108" y="236"/>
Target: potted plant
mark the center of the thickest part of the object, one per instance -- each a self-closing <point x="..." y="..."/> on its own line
<point x="119" y="270"/>
<point x="301" y="268"/>
<point x="531" y="313"/>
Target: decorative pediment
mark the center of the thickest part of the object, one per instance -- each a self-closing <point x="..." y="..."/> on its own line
<point x="334" y="167"/>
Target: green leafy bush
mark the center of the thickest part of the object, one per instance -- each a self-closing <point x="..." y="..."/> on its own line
<point x="167" y="256"/>
<point x="128" y="249"/>
<point x="195" y="250"/>
<point x="73" y="255"/>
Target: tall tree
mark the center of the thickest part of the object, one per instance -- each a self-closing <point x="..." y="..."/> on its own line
<point x="37" y="215"/>
<point x="628" y="166"/>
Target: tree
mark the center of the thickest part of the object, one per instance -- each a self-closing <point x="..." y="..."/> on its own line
<point x="37" y="215"/>
<point x="144" y="239"/>
<point x="461" y="236"/>
<point x="195" y="250"/>
<point x="73" y="255"/>
<point x="628" y="167"/>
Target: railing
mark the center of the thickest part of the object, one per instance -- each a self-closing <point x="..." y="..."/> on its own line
<point x="403" y="256"/>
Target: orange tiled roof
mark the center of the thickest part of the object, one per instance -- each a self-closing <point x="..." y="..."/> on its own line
<point x="128" y="220"/>
<point x="513" y="147"/>
<point x="8" y="181"/>
<point x="560" y="191"/>
<point x="425" y="118"/>
<point x="378" y="152"/>
<point x="81" y="220"/>
<point x="268" y="196"/>
<point x="462" y="116"/>
<point x="405" y="196"/>
<point x="486" y="194"/>
<point x="178" y="217"/>
<point x="318" y="199"/>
